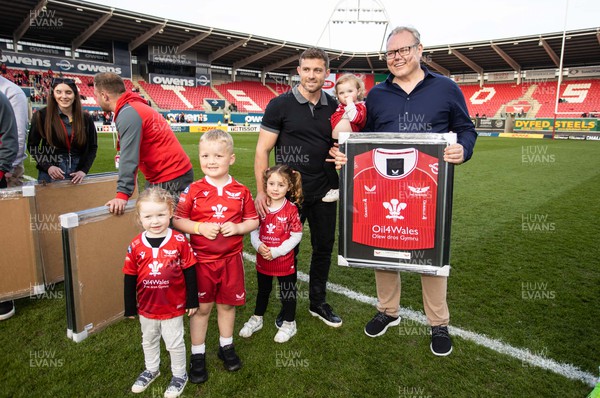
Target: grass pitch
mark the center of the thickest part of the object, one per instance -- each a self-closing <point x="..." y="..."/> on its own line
<point x="525" y="270"/>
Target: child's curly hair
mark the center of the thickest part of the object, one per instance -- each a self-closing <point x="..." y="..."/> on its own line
<point x="351" y="78"/>
<point x="293" y="178"/>
<point x="157" y="195"/>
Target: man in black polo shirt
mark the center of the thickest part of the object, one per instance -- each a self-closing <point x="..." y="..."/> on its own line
<point x="297" y="124"/>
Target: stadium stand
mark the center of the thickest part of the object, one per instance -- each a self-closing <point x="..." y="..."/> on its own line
<point x="249" y="96"/>
<point x="489" y="99"/>
<point x="85" y="83"/>
<point x="177" y="97"/>
<point x="164" y="97"/>
<point x="533" y="99"/>
<point x="197" y="95"/>
<point x="279" y="88"/>
<point x="578" y="97"/>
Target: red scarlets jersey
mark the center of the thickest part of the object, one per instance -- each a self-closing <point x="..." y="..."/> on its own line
<point x="159" y="271"/>
<point x="204" y="202"/>
<point x="359" y="120"/>
<point x="395" y="194"/>
<point x="275" y="229"/>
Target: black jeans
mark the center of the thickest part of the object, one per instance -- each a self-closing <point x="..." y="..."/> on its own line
<point x="321" y="218"/>
<point x="287" y="294"/>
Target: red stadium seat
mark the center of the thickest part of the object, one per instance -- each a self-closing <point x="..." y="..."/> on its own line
<point x="248" y="96"/>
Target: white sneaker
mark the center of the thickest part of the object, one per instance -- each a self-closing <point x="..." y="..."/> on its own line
<point x="286" y="331"/>
<point x="254" y="324"/>
<point x="144" y="380"/>
<point x="333" y="195"/>
<point x="176" y="386"/>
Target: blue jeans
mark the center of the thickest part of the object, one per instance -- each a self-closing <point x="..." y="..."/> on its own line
<point x="65" y="165"/>
<point x="321" y="218"/>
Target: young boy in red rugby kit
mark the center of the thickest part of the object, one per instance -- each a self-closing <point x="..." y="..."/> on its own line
<point x="216" y="211"/>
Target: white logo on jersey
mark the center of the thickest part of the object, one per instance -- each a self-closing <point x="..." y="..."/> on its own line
<point x="370" y="190"/>
<point x="418" y="191"/>
<point x="170" y="252"/>
<point x="233" y="195"/>
<point x="240" y="296"/>
<point x="396" y="172"/>
<point x="434" y="168"/>
<point x="155" y="266"/>
<point x="394" y="207"/>
<point x="282" y="219"/>
<point x="205" y="193"/>
<point x="270" y="228"/>
<point x="142" y="255"/>
<point x="219" y="210"/>
<point x="180" y="238"/>
<point x="201" y="294"/>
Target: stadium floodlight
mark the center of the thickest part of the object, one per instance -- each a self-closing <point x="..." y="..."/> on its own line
<point x="347" y="14"/>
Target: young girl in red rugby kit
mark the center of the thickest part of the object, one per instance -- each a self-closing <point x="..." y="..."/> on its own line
<point x="160" y="286"/>
<point x="275" y="239"/>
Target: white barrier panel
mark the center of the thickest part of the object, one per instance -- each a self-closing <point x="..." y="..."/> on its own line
<point x="95" y="244"/>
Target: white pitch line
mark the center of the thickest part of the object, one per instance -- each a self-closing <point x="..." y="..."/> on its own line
<point x="564" y="369"/>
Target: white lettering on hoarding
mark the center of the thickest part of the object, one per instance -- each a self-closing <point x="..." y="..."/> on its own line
<point x="253" y="119"/>
<point x="173" y="81"/>
<point x="63" y="64"/>
<point x="26" y="61"/>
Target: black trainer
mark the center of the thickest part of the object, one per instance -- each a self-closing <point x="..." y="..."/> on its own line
<point x="7" y="309"/>
<point x="441" y="345"/>
<point x="380" y="323"/>
<point x="279" y="319"/>
<point x="326" y="314"/>
<point x="198" y="373"/>
<point x="230" y="359"/>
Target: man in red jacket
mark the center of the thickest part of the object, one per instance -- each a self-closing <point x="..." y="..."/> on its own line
<point x="145" y="140"/>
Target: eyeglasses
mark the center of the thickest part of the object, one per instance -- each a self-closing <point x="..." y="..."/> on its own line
<point x="403" y="51"/>
<point x="59" y="80"/>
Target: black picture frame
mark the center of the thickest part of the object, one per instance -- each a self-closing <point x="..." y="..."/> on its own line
<point x="373" y="232"/>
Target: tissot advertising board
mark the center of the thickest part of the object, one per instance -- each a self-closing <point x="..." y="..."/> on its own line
<point x="396" y="202"/>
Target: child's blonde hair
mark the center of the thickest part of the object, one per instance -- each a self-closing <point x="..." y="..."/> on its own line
<point x="293" y="178"/>
<point x="220" y="136"/>
<point x="157" y="195"/>
<point x="351" y="78"/>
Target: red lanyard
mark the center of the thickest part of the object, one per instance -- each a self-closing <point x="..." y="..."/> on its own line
<point x="69" y="140"/>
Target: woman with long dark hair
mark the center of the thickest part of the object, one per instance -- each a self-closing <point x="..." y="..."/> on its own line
<point x="62" y="138"/>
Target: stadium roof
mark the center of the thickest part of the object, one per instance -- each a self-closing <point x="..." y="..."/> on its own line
<point x="92" y="26"/>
